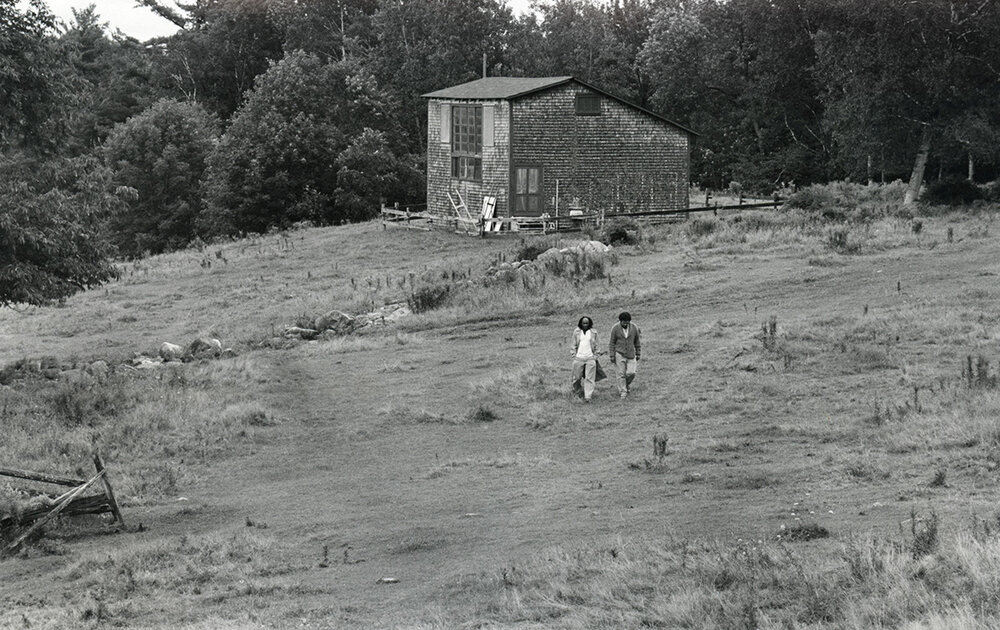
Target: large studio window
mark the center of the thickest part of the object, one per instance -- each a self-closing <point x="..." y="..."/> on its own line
<point x="467" y="142"/>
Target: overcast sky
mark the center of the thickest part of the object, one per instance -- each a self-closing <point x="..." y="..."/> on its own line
<point x="140" y="23"/>
<point x="143" y="24"/>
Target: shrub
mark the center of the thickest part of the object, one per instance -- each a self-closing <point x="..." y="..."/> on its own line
<point x="814" y="198"/>
<point x="530" y="250"/>
<point x="991" y="190"/>
<point x="580" y="265"/>
<point x="429" y="298"/>
<point x="953" y="192"/>
<point x="840" y="241"/>
<point x="622" y="231"/>
<point x="86" y="404"/>
<point x="925" y="535"/>
<point x="845" y="201"/>
<point x="802" y="532"/>
<point x="482" y="413"/>
<point x="702" y="227"/>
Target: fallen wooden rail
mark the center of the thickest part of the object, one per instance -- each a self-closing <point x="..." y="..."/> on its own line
<point x="44" y="477"/>
<point x="777" y="203"/>
<point x="71" y="503"/>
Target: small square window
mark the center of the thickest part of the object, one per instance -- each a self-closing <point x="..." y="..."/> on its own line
<point x="588" y="105"/>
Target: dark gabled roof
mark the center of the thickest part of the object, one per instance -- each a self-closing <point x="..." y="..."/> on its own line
<point x="510" y="88"/>
<point x="499" y="87"/>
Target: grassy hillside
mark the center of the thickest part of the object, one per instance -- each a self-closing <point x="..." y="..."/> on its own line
<point x="827" y="387"/>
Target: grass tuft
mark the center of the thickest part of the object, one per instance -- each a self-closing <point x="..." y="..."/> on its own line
<point x="481" y="413"/>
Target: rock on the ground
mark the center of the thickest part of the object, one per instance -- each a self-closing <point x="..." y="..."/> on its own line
<point x="594" y="246"/>
<point x="203" y="348"/>
<point x="388" y="314"/>
<point x="98" y="369"/>
<point x="171" y="351"/>
<point x="551" y="253"/>
<point x="142" y="362"/>
<point x="301" y="333"/>
<point x="337" y="321"/>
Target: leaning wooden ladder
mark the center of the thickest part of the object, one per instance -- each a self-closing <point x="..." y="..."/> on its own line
<point x="465" y="221"/>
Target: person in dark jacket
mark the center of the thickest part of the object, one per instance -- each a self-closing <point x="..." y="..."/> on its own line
<point x="624" y="348"/>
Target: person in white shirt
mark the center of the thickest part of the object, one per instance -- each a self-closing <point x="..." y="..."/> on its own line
<point x="584" y="358"/>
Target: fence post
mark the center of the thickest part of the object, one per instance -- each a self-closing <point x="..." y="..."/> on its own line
<point x="109" y="492"/>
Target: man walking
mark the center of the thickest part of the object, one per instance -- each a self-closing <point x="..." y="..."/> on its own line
<point x="624" y="351"/>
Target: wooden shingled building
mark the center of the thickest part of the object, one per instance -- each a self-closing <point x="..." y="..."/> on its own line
<point x="550" y="146"/>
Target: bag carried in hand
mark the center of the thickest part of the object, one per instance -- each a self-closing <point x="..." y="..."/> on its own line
<point x="599" y="373"/>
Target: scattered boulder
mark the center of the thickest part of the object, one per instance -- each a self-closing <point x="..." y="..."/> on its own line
<point x="98" y="369"/>
<point x="76" y="375"/>
<point x="143" y="362"/>
<point x="337" y="321"/>
<point x="596" y="247"/>
<point x="171" y="352"/>
<point x="551" y="253"/>
<point x="388" y="314"/>
<point x="301" y="333"/>
<point x="204" y="348"/>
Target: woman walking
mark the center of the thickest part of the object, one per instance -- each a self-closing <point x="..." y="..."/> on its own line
<point x="584" y="358"/>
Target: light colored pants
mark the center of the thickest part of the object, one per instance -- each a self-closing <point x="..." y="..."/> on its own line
<point x="585" y="372"/>
<point x="624" y="371"/>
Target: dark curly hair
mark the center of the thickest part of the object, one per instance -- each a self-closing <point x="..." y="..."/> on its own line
<point x="579" y="324"/>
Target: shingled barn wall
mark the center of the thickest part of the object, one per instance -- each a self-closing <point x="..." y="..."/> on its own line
<point x="623" y="160"/>
<point x="496" y="162"/>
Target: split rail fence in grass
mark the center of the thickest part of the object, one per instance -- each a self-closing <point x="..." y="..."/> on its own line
<point x="71" y="503"/>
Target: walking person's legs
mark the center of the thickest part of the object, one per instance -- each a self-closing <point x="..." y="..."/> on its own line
<point x="630" y="370"/>
<point x="578" y="370"/>
<point x="589" y="378"/>
<point x="621" y="365"/>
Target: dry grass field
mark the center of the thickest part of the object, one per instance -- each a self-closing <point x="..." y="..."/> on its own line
<point x="828" y="390"/>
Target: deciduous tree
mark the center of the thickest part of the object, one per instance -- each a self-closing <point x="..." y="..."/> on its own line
<point x="161" y="153"/>
<point x="277" y="163"/>
<point x="32" y="84"/>
<point x="902" y="77"/>
<point x="51" y="244"/>
<point x="223" y="47"/>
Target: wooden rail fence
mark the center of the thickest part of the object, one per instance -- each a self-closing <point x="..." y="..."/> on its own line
<point x="70" y="503"/>
<point x="417" y="218"/>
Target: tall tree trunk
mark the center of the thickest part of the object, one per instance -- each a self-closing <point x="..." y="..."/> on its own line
<point x="758" y="133"/>
<point x="917" y="178"/>
<point x="972" y="167"/>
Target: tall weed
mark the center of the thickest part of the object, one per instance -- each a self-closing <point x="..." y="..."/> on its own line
<point x="846" y="201"/>
<point x="144" y="422"/>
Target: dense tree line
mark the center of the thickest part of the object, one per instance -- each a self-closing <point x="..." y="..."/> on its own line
<point x="261" y="114"/>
